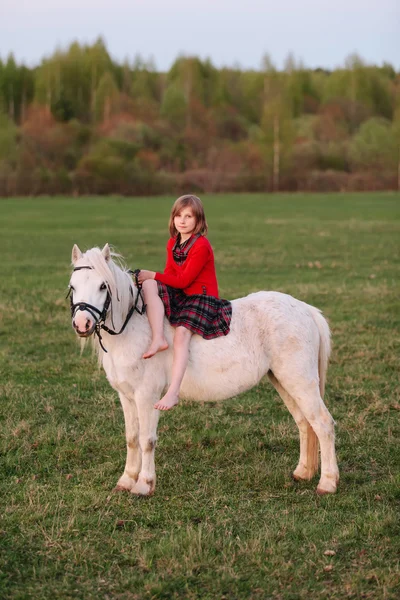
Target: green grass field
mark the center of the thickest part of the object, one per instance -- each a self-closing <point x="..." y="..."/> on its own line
<point x="226" y="521"/>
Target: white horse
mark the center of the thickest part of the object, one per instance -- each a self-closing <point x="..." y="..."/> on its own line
<point x="271" y="334"/>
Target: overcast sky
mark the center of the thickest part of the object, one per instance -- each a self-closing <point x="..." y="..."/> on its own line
<point x="227" y="31"/>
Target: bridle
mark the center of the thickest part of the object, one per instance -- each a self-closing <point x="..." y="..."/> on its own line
<point x="101" y="315"/>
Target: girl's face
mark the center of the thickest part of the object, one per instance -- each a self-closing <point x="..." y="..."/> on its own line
<point x="185" y="221"/>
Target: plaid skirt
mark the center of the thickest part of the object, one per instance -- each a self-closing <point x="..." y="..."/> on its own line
<point x="204" y="315"/>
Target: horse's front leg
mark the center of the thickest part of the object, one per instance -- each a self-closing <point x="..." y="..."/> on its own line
<point x="133" y="452"/>
<point x="148" y="420"/>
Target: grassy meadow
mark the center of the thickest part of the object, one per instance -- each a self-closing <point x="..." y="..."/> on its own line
<point x="226" y="521"/>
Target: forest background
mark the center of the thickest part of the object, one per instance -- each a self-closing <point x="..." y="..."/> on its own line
<point x="81" y="123"/>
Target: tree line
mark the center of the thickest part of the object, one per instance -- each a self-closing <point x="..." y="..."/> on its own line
<point x="82" y="123"/>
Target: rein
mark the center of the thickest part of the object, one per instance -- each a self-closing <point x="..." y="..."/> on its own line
<point x="101" y="316"/>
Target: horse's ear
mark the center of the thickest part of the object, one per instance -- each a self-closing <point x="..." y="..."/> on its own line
<point x="106" y="252"/>
<point x="76" y="254"/>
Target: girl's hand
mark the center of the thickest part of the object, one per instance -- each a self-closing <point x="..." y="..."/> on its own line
<point x="143" y="275"/>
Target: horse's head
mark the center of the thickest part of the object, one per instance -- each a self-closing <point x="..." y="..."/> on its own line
<point x="89" y="289"/>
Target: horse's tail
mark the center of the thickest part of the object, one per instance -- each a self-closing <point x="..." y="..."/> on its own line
<point x="323" y="358"/>
<point x="324" y="346"/>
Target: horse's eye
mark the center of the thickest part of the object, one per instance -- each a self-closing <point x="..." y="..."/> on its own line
<point x="103" y="286"/>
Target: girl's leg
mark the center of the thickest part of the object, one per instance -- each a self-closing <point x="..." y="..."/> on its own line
<point x="179" y="364"/>
<point x="155" y="314"/>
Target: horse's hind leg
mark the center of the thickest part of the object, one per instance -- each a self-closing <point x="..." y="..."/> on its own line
<point x="308" y="461"/>
<point x="305" y="391"/>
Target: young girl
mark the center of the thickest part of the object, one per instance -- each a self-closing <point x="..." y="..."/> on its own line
<point x="187" y="292"/>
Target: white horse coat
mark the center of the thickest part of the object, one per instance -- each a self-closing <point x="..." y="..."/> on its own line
<point x="271" y="334"/>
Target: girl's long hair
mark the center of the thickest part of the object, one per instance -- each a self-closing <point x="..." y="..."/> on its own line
<point x="193" y="202"/>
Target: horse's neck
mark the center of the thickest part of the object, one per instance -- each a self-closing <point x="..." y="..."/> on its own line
<point x="122" y="300"/>
<point x="136" y="327"/>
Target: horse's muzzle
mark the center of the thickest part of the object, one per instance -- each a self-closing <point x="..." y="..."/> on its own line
<point x="89" y="328"/>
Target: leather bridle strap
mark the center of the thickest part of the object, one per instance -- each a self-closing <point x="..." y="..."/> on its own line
<point x="102" y="315"/>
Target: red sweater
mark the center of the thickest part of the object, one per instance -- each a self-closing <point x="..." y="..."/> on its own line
<point x="196" y="275"/>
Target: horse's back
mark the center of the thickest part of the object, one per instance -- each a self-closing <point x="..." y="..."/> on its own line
<point x="275" y="313"/>
<point x="266" y="327"/>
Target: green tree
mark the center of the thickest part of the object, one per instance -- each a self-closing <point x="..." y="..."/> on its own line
<point x="8" y="140"/>
<point x="302" y="95"/>
<point x="174" y="106"/>
<point x="67" y="82"/>
<point x="365" y="88"/>
<point x="374" y="146"/>
<point x="396" y="136"/>
<point x="10" y="85"/>
<point x="97" y="63"/>
<point x="276" y="123"/>
<point x="106" y="98"/>
<point x="146" y="82"/>
<point x="194" y="79"/>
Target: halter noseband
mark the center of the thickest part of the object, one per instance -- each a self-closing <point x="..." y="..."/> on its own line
<point x="101" y="316"/>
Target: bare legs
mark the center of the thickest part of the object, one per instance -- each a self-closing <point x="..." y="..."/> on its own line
<point x="179" y="364"/>
<point x="155" y="314"/>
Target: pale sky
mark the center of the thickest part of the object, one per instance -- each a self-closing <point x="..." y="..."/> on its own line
<point x="229" y="32"/>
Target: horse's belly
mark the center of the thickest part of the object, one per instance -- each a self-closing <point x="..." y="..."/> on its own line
<point x="219" y="381"/>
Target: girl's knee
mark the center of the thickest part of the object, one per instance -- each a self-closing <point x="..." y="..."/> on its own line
<point x="150" y="286"/>
<point x="182" y="334"/>
<point x="149" y="283"/>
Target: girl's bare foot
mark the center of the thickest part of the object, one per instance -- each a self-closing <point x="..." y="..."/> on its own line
<point x="156" y="346"/>
<point x="169" y="401"/>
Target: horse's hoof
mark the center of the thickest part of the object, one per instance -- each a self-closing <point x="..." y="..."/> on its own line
<point x="297" y="477"/>
<point x="125" y="483"/>
<point x="326" y="488"/>
<point x="121" y="488"/>
<point x="302" y="475"/>
<point x="322" y="492"/>
<point x="328" y="484"/>
<point x="144" y="487"/>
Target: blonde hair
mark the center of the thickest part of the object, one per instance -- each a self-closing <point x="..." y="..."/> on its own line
<point x="193" y="202"/>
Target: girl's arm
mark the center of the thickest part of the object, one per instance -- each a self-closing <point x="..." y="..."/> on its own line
<point x="185" y="275"/>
